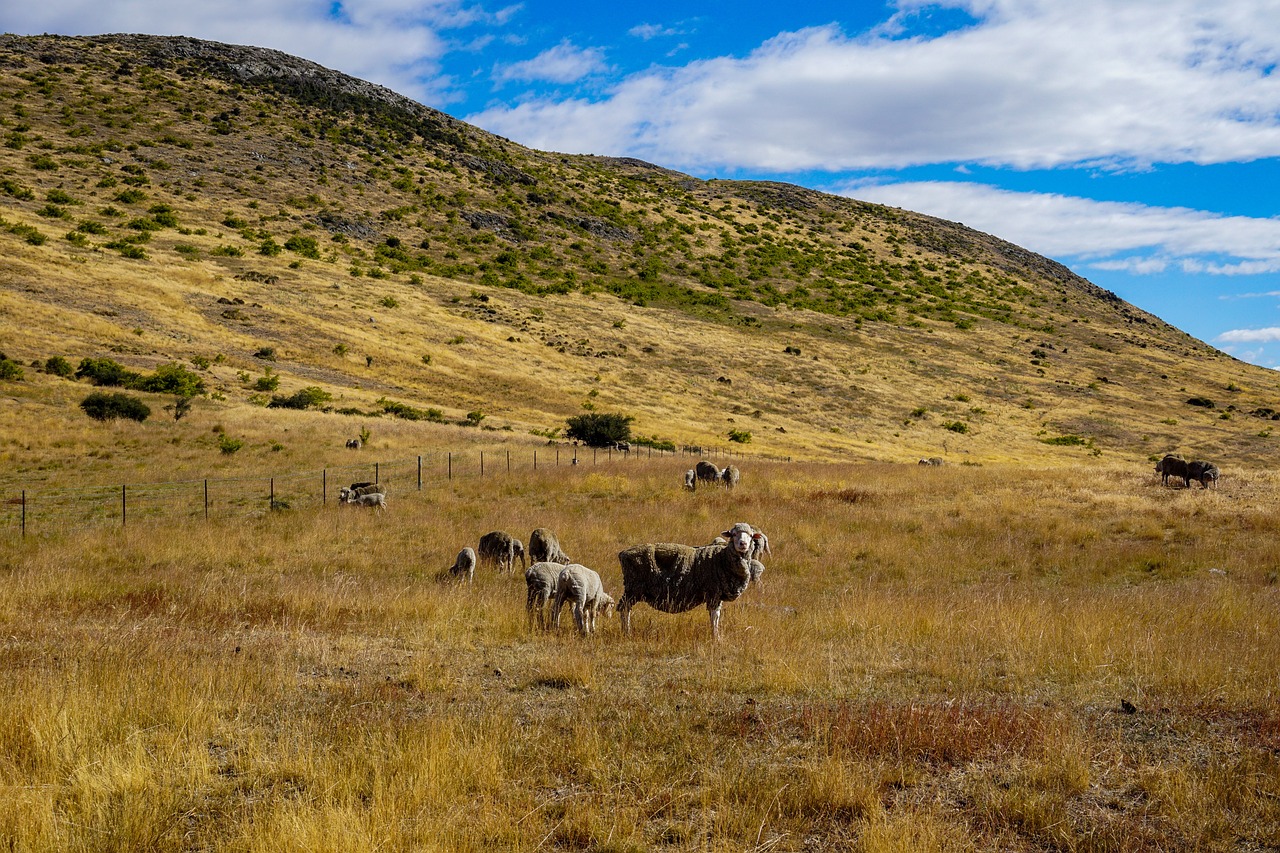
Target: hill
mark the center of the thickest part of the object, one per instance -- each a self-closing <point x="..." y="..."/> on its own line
<point x="276" y="226"/>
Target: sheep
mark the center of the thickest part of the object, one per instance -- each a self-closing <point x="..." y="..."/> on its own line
<point x="545" y="547"/>
<point x="372" y="499"/>
<point x="464" y="565"/>
<point x="677" y="578"/>
<point x="706" y="472"/>
<point x="357" y="489"/>
<point x="500" y="549"/>
<point x="1172" y="466"/>
<point x="541" y="580"/>
<point x="581" y="586"/>
<point x="691" y="480"/>
<point x="1202" y="472"/>
<point x="932" y="460"/>
<point x="353" y="444"/>
<point x="730" y="476"/>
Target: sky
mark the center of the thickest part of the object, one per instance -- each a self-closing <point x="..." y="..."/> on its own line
<point x="1135" y="141"/>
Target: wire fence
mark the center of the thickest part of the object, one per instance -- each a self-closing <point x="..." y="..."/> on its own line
<point x="37" y="512"/>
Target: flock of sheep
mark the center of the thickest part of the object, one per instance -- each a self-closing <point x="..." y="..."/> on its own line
<point x="668" y="577"/>
<point x="1173" y="465"/>
<point x="707" y="472"/>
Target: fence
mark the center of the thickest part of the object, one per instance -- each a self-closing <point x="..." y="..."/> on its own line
<point x="37" y="512"/>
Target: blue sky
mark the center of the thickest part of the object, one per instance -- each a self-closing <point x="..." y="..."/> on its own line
<point x="1136" y="141"/>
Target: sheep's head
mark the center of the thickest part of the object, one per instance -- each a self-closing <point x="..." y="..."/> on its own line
<point x="604" y="604"/>
<point x="740" y="537"/>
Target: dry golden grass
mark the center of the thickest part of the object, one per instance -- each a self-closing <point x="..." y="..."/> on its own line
<point x="938" y="660"/>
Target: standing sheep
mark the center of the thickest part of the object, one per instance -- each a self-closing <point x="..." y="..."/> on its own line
<point x="730" y="476"/>
<point x="500" y="549"/>
<point x="1172" y="466"/>
<point x="691" y="480"/>
<point x="1202" y="472"/>
<point x="706" y="472"/>
<point x="464" y="565"/>
<point x="677" y="578"/>
<point x="581" y="586"/>
<point x="373" y="500"/>
<point x="545" y="547"/>
<point x="541" y="579"/>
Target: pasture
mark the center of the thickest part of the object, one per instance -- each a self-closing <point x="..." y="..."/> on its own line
<point x="938" y="659"/>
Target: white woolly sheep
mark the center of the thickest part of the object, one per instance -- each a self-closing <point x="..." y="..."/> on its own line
<point x="677" y="578"/>
<point x="372" y="500"/>
<point x="500" y="549"/>
<point x="730" y="476"/>
<point x="583" y="587"/>
<point x="541" y="580"/>
<point x="691" y="480"/>
<point x="464" y="565"/>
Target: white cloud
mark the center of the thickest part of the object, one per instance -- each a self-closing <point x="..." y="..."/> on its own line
<point x="563" y="63"/>
<point x="1250" y="336"/>
<point x="1036" y="83"/>
<point x="1132" y="237"/>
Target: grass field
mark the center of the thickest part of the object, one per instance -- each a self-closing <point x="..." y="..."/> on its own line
<point x="956" y="658"/>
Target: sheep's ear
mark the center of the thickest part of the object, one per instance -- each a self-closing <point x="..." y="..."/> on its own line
<point x="727" y="534"/>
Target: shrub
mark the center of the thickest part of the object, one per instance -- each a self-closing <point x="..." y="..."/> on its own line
<point x="1067" y="441"/>
<point x="229" y="445"/>
<point x="599" y="429"/>
<point x="171" y="378"/>
<point x="105" y="372"/>
<point x="740" y="436"/>
<point x="957" y="426"/>
<point x="410" y="413"/>
<point x="309" y="397"/>
<point x="102" y="406"/>
<point x="58" y="366"/>
<point x="10" y="370"/>
<point x="305" y="246"/>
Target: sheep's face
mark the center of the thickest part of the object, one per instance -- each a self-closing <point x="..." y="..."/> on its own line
<point x="740" y="537"/>
<point x="604" y="604"/>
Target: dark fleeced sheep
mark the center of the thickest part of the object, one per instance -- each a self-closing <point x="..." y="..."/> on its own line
<point x="706" y="472"/>
<point x="1172" y="466"/>
<point x="1202" y="472"/>
<point x="500" y="549"/>
<point x="544" y="547"/>
<point x="677" y="578"/>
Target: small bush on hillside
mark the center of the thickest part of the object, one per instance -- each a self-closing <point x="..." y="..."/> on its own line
<point x="410" y="413"/>
<point x="308" y="398"/>
<point x="10" y="369"/>
<point x="599" y="429"/>
<point x="171" y="379"/>
<point x="229" y="445"/>
<point x="740" y="436"/>
<point x="102" y="406"/>
<point x="106" y="372"/>
<point x="59" y="366"/>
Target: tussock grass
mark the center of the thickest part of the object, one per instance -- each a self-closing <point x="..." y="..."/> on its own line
<point x="1043" y="664"/>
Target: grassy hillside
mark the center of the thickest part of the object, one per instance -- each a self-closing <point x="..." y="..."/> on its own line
<point x="250" y="215"/>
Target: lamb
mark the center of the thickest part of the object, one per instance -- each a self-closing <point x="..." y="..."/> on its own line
<point x="730" y="476"/>
<point x="545" y="547"/>
<point x="582" y="586"/>
<point x="677" y="578"/>
<point x="541" y="580"/>
<point x="691" y="480"/>
<point x="372" y="499"/>
<point x="500" y="549"/>
<point x="464" y="565"/>
<point x="706" y="472"/>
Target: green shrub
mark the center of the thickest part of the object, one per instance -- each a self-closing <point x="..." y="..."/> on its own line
<point x="105" y="371"/>
<point x="305" y="246"/>
<point x="171" y="378"/>
<point x="58" y="366"/>
<point x="599" y="429"/>
<point x="957" y="426"/>
<point x="102" y="406"/>
<point x="307" y="398"/>
<point x="229" y="445"/>
<point x="740" y="436"/>
<point x="1067" y="441"/>
<point x="10" y="370"/>
<point x="409" y="413"/>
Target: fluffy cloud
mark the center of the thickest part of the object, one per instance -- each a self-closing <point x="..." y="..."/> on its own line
<point x="563" y="63"/>
<point x="1108" y="235"/>
<point x="1033" y="84"/>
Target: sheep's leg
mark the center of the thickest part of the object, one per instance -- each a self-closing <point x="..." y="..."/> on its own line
<point x="714" y="611"/>
<point x="624" y="615"/>
<point x="580" y="616"/>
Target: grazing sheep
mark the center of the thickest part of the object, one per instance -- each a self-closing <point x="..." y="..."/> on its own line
<point x="357" y="489"/>
<point x="541" y="580"/>
<point x="706" y="472"/>
<point x="677" y="578"/>
<point x="1202" y="472"/>
<point x="353" y="444"/>
<point x="545" y="547"/>
<point x="691" y="480"/>
<point x="581" y="586"/>
<point x="730" y="476"/>
<point x="1172" y="466"/>
<point x="373" y="500"/>
<point x="464" y="565"/>
<point x="932" y="460"/>
<point x="500" y="549"/>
